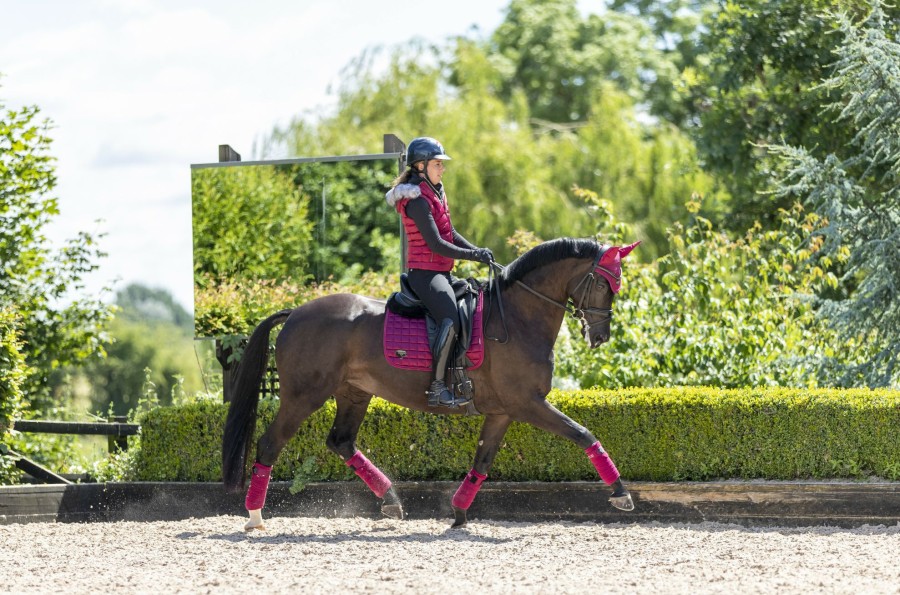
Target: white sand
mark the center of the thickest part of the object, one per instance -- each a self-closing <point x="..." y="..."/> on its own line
<point x="317" y="555"/>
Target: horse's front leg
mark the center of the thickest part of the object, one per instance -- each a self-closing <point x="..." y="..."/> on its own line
<point x="492" y="431"/>
<point x="545" y="416"/>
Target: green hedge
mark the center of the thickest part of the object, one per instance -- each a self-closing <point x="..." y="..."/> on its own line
<point x="652" y="435"/>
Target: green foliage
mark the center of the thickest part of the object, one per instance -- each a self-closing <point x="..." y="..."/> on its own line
<point x="12" y="370"/>
<point x="653" y="435"/>
<point x="313" y="220"/>
<point x="307" y="472"/>
<point x="249" y="223"/>
<point x="647" y="179"/>
<point x="348" y="211"/>
<point x="149" y="331"/>
<point x="12" y="375"/>
<point x="115" y="381"/>
<point x="58" y="325"/>
<point x="760" y="85"/>
<point x="716" y="311"/>
<point x="678" y="26"/>
<point x="233" y="308"/>
<point x="139" y="303"/>
<point x="510" y="172"/>
<point x="559" y="60"/>
<point x="857" y="190"/>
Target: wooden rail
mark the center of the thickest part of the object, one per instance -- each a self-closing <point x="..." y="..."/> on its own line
<point x="117" y="431"/>
<point x="76" y="427"/>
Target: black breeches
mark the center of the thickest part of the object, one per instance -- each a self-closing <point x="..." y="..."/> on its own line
<point x="436" y="292"/>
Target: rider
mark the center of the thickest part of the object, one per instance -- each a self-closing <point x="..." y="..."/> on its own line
<point x="432" y="246"/>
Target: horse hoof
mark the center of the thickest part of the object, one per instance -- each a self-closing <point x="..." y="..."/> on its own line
<point x="460" y="519"/>
<point x="255" y="522"/>
<point x="391" y="506"/>
<point x="622" y="502"/>
<point x="393" y="511"/>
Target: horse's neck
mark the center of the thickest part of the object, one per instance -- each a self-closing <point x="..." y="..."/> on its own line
<point x="542" y="318"/>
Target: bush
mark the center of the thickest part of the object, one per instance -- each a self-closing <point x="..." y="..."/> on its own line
<point x="653" y="435"/>
<point x="236" y="307"/>
<point x="718" y="312"/>
<point x="12" y="374"/>
<point x="12" y="370"/>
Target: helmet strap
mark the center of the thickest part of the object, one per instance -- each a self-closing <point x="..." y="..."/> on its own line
<point x="437" y="192"/>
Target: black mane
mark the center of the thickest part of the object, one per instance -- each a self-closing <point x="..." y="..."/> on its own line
<point x="547" y="253"/>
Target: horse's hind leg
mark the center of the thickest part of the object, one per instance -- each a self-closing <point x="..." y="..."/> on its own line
<point x="352" y="406"/>
<point x="492" y="431"/>
<point x="547" y="417"/>
<point x="291" y="413"/>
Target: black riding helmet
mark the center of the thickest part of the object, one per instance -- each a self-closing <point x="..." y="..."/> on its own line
<point x="424" y="148"/>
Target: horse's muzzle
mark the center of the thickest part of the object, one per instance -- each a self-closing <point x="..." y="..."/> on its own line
<point x="599" y="339"/>
<point x="596" y="338"/>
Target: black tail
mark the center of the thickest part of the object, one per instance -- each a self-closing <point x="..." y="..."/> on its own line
<point x="241" y="420"/>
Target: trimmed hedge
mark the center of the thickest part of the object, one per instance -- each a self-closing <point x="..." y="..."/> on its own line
<point x="651" y="434"/>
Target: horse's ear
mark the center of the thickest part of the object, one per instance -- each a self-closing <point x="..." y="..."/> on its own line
<point x="625" y="251"/>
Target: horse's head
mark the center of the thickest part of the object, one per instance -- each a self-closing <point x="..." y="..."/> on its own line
<point x="593" y="295"/>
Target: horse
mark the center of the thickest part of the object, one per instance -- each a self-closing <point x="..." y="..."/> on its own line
<point x="332" y="346"/>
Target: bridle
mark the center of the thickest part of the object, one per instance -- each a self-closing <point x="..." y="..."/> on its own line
<point x="578" y="310"/>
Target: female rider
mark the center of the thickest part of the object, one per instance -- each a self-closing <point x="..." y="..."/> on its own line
<point x="432" y="246"/>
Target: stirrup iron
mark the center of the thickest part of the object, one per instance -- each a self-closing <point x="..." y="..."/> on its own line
<point x="441" y="396"/>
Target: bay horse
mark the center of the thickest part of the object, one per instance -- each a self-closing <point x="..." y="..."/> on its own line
<point x="332" y="346"/>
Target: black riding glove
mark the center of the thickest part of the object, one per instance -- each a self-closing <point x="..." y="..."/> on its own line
<point x="483" y="255"/>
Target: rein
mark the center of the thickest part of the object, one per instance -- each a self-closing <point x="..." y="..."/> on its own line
<point x="579" y="312"/>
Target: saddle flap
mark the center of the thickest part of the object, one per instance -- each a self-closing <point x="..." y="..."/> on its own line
<point x="408" y="346"/>
<point x="467" y="307"/>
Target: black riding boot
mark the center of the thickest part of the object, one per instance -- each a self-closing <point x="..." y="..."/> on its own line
<point x="439" y="394"/>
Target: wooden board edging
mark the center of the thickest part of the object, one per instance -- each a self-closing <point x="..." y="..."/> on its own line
<point x="785" y="504"/>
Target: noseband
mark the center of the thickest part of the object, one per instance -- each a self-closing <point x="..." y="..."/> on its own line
<point x="578" y="310"/>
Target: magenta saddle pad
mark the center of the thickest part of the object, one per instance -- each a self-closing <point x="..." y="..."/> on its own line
<point x="406" y="341"/>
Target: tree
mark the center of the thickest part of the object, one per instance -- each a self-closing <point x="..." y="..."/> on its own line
<point x="58" y="324"/>
<point x="716" y="311"/>
<point x="857" y="192"/>
<point x="347" y="210"/>
<point x="678" y="27"/>
<point x="148" y="349"/>
<point x="558" y="60"/>
<point x="508" y="174"/>
<point x="499" y="178"/>
<point x="139" y="303"/>
<point x="766" y="59"/>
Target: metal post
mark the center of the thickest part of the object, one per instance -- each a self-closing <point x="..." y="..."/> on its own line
<point x="392" y="144"/>
<point x="226" y="153"/>
<point x="117" y="443"/>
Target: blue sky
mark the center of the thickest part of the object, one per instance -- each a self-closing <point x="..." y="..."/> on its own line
<point x="140" y="89"/>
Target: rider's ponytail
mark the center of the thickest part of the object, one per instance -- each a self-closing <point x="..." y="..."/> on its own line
<point x="403" y="178"/>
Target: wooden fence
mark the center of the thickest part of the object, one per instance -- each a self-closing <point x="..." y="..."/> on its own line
<point x="116" y="430"/>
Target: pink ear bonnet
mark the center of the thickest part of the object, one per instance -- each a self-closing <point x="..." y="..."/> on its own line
<point x="610" y="265"/>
